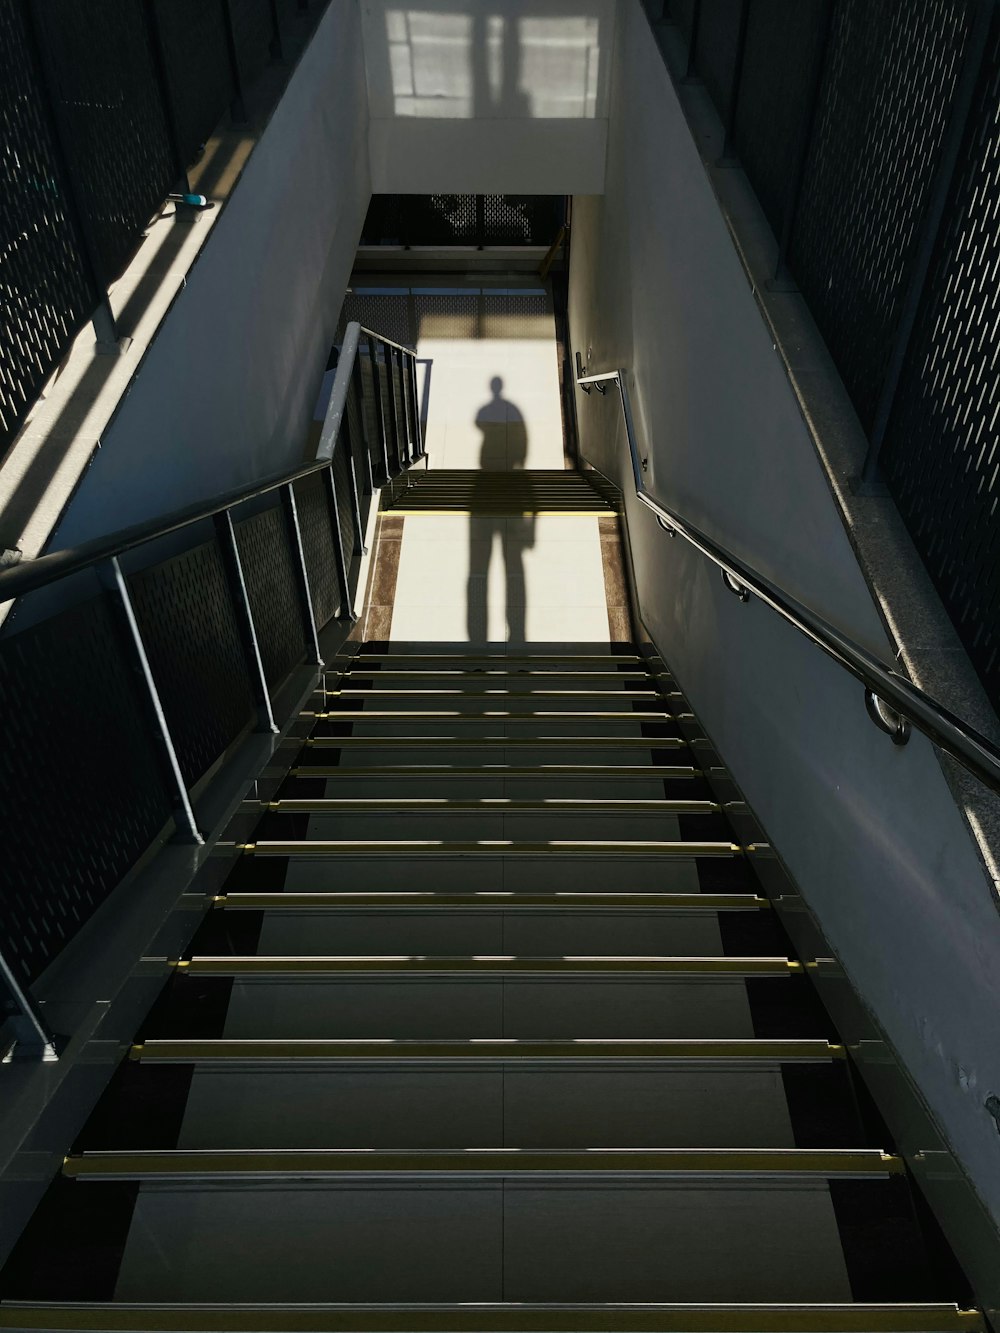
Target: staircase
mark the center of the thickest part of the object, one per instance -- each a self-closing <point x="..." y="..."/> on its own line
<point x="490" y="1029"/>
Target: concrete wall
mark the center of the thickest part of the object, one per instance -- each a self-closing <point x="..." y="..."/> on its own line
<point x="870" y="831"/>
<point x="469" y="98"/>
<point x="226" y="392"/>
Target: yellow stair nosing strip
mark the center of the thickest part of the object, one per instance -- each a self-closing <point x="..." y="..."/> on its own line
<point x="490" y="847"/>
<point x="498" y="742"/>
<point x="133" y="1317"/>
<point x="382" y="965"/>
<point x="752" y="1051"/>
<point x="645" y="772"/>
<point x="495" y="805"/>
<point x="320" y="902"/>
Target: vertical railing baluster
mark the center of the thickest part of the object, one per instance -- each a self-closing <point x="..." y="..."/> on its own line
<point x="233" y="566"/>
<point x="393" y="409"/>
<point x="358" y="390"/>
<point x="238" y="109"/>
<point x="405" y="458"/>
<point x="689" y="72"/>
<point x="379" y="403"/>
<point x="301" y="572"/>
<point x="728" y="155"/>
<point x="339" y="559"/>
<point x="346" y="442"/>
<point x="418" y="430"/>
<point x="113" y="580"/>
<point x="32" y="1038"/>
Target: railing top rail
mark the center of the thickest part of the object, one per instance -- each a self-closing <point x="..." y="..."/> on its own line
<point x="954" y="735"/>
<point x="400" y="347"/>
<point x="35" y="574"/>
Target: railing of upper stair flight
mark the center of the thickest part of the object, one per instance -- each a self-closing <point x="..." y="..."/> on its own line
<point x="893" y="702"/>
<point x="134" y="664"/>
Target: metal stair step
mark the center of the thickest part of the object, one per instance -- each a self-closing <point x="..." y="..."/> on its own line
<point x="593" y="968"/>
<point x="133" y="1317"/>
<point x="490" y="901"/>
<point x="500" y="847"/>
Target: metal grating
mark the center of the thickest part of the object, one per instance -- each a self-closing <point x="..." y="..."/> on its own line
<point x="942" y="451"/>
<point x="83" y="795"/>
<point x="253" y="36"/>
<point x="199" y="75"/>
<point x="187" y="622"/>
<point x="371" y="419"/>
<point x="105" y="92"/>
<point x="463" y="219"/>
<point x="389" y="313"/>
<point x="265" y="552"/>
<point x="715" y="49"/>
<point x="888" y="84"/>
<point x="781" y="65"/>
<point x="313" y="505"/>
<point x="45" y="295"/>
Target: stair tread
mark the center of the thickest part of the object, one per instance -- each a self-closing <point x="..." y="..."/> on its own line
<point x="486" y="965"/>
<point x="213" y="1162"/>
<point x="674" y="1051"/>
<point x="520" y="1317"/>
<point x="492" y="901"/>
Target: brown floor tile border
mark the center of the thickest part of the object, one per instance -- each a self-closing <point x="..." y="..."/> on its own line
<point x="375" y="621"/>
<point x="615" y="587"/>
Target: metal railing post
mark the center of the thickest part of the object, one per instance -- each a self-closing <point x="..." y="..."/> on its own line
<point x="339" y="559"/>
<point x="166" y="97"/>
<point x="689" y="72"/>
<point x="358" y="390"/>
<point x="277" y="42"/>
<point x="354" y="495"/>
<point x="728" y="154"/>
<point x="418" y="433"/>
<point x="113" y="580"/>
<point x="32" y="1038"/>
<point x="233" y="566"/>
<point x="782" y="279"/>
<point x="108" y="342"/>
<point x="301" y="572"/>
<point x="379" y="404"/>
<point x="238" y="110"/>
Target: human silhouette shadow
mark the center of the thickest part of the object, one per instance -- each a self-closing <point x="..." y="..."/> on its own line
<point x="504" y="449"/>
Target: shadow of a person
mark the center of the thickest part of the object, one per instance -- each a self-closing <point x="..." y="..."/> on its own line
<point x="504" y="449"/>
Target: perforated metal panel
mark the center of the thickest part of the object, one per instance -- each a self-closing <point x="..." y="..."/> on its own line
<point x="45" y="296"/>
<point x="199" y="74"/>
<point x="83" y="795"/>
<point x="392" y="316"/>
<point x="266" y="556"/>
<point x="715" y="49"/>
<point x="519" y="315"/>
<point x="942" y="451"/>
<point x="447" y="315"/>
<point x="313" y="507"/>
<point x="372" y="431"/>
<point x="107" y="98"/>
<point x="889" y="80"/>
<point x="253" y="34"/>
<point x="188" y="625"/>
<point x="781" y="66"/>
<point x="463" y="219"/>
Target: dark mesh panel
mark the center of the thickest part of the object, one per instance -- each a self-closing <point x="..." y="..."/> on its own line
<point x="265" y="553"/>
<point x="715" y="49"/>
<point x="942" y="451"/>
<point x="342" y="482"/>
<point x="45" y="295"/>
<point x="83" y="795"/>
<point x="784" y="47"/>
<point x="889" y="80"/>
<point x="253" y="34"/>
<point x="199" y="75"/>
<point x="463" y="219"/>
<point x="355" y="429"/>
<point x="112" y="118"/>
<point x="312" y="503"/>
<point x="187" y="622"/>
<point x="391" y="316"/>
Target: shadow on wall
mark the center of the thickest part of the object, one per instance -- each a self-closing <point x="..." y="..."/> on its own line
<point x="504" y="449"/>
<point x="509" y="59"/>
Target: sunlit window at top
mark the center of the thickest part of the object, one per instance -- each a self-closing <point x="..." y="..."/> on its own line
<point x="448" y="65"/>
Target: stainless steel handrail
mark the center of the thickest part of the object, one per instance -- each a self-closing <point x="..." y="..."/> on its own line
<point x="885" y="688"/>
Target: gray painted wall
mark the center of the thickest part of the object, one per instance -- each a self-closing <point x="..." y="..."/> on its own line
<point x="870" y="832"/>
<point x="226" y="392"/>
<point x="472" y="98"/>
